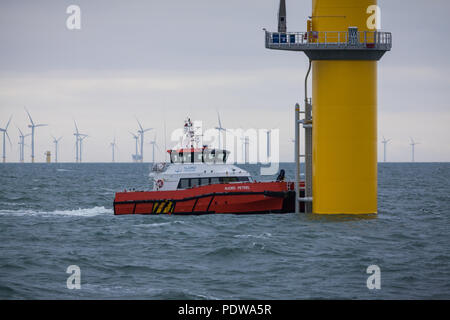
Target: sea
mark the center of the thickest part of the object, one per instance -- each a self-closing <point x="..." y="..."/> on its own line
<point x="59" y="239"/>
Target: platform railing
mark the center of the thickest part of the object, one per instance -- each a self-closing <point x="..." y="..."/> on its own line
<point x="329" y="40"/>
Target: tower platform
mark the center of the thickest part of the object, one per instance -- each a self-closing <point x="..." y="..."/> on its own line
<point x="333" y="45"/>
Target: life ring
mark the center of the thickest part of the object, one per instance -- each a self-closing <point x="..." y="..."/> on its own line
<point x="159" y="183"/>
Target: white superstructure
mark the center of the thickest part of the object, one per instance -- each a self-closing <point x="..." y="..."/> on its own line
<point x="192" y="166"/>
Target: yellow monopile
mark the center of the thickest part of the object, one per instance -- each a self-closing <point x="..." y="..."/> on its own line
<point x="345" y="117"/>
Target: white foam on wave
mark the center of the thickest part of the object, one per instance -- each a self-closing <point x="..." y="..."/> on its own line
<point x="260" y="236"/>
<point x="160" y="224"/>
<point x="85" y="212"/>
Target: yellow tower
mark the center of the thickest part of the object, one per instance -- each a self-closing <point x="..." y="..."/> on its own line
<point x="343" y="45"/>
<point x="48" y="156"/>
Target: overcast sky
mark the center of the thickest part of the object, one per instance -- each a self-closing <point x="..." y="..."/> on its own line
<point x="176" y="58"/>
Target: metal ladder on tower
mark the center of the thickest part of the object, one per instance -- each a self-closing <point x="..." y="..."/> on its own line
<point x="306" y="122"/>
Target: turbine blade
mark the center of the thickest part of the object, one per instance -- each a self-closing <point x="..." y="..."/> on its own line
<point x="29" y="116"/>
<point x="76" y="127"/>
<point x="218" y="117"/>
<point x="10" y="143"/>
<point x="41" y="125"/>
<point x="139" y="124"/>
<point x="6" y="128"/>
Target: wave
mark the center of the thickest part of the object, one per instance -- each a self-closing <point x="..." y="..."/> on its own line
<point x="159" y="224"/>
<point x="80" y="212"/>
<point x="260" y="236"/>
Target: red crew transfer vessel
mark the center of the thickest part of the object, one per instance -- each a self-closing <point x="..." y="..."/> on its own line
<point x="199" y="181"/>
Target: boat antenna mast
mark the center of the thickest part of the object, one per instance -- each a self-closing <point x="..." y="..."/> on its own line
<point x="192" y="138"/>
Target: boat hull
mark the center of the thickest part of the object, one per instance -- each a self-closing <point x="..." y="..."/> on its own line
<point x="236" y="198"/>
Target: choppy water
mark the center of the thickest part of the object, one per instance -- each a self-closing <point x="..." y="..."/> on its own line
<point x="53" y="216"/>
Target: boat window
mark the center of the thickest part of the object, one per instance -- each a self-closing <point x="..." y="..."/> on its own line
<point x="198" y="157"/>
<point x="224" y="156"/>
<point x="186" y="157"/>
<point x="195" y="182"/>
<point x="174" y="158"/>
<point x="215" y="180"/>
<point x="209" y="156"/>
<point x="228" y="179"/>
<point x="183" y="184"/>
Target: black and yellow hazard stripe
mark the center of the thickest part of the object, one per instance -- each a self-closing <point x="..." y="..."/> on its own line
<point x="163" y="207"/>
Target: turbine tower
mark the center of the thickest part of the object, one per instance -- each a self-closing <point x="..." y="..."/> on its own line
<point x="220" y="128"/>
<point x="113" y="147"/>
<point x="78" y="143"/>
<point x="154" y="144"/>
<point x="141" y="132"/>
<point x="5" y="133"/>
<point x="56" y="141"/>
<point x="135" y="156"/>
<point x="413" y="144"/>
<point x="343" y="43"/>
<point x="82" y="137"/>
<point x="385" y="142"/>
<point x="33" y="126"/>
<point x="22" y="145"/>
<point x="245" y="143"/>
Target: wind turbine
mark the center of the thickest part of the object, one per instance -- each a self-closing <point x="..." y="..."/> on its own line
<point x="154" y="144"/>
<point x="141" y="133"/>
<point x="220" y="128"/>
<point x="245" y="144"/>
<point x="113" y="146"/>
<point x="33" y="126"/>
<point x="22" y="145"/>
<point x="385" y="142"/>
<point x="79" y="138"/>
<point x="412" y="144"/>
<point x="5" y="133"/>
<point x="56" y="141"/>
<point x="135" y="157"/>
